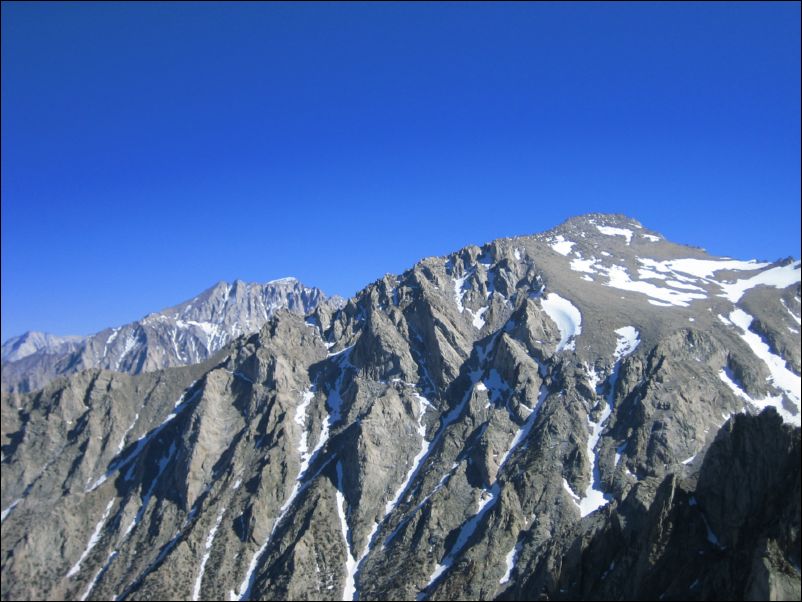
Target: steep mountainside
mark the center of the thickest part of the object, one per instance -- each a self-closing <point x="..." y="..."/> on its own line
<point x="185" y="334"/>
<point x="589" y="413"/>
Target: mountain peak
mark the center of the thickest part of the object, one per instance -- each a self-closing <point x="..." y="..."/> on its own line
<point x="539" y="411"/>
<point x="596" y="223"/>
<point x="34" y="341"/>
<point x="187" y="333"/>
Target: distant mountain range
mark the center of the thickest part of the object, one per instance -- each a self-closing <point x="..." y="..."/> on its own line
<point x="31" y="342"/>
<point x="185" y="334"/>
<point x="589" y="413"/>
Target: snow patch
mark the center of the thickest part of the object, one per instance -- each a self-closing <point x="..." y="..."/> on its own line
<point x="778" y="277"/>
<point x="478" y="320"/>
<point x="459" y="289"/>
<point x="618" y="452"/>
<point x="619" y="278"/>
<point x="610" y="231"/>
<point x="562" y="246"/>
<point x="584" y="265"/>
<point x="705" y="268"/>
<point x="628" y="340"/>
<point x="566" y="316"/>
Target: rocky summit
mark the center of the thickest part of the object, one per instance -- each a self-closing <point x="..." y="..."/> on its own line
<point x="187" y="333"/>
<point x="593" y="412"/>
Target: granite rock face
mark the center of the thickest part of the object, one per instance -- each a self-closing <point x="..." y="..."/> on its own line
<point x="188" y="333"/>
<point x="589" y="413"/>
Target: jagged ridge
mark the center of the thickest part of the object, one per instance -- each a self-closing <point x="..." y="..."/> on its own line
<point x="429" y="440"/>
<point x="187" y="333"/>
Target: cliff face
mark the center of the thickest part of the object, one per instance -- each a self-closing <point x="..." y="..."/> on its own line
<point x="570" y="415"/>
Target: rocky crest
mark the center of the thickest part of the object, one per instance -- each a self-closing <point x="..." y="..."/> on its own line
<point x="185" y="334"/>
<point x="589" y="413"/>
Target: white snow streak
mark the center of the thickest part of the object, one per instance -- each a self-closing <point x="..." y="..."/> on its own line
<point x="781" y="376"/>
<point x="110" y="340"/>
<point x="244" y="590"/>
<point x="137" y="518"/>
<point x="594" y="498"/>
<point x="445" y="421"/>
<point x="775" y="401"/>
<point x="207" y="549"/>
<point x="524" y="431"/>
<point x="488" y="497"/>
<point x="510" y="559"/>
<point x="574" y="497"/>
<point x="488" y="500"/>
<point x="705" y="268"/>
<point x="793" y="315"/>
<point x="459" y="293"/>
<point x="619" y="278"/>
<point x="130" y="342"/>
<point x="350" y="562"/>
<point x="423" y="403"/>
<point x="300" y="419"/>
<point x="728" y="379"/>
<point x="121" y="445"/>
<point x="146" y="500"/>
<point x="92" y="540"/>
<point x="92" y="583"/>
<point x="11" y="506"/>
<point x="119" y="463"/>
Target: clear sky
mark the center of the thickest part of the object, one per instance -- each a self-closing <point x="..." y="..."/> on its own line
<point x="150" y="150"/>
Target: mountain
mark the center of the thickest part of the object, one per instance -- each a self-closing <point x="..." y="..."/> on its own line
<point x="187" y="333"/>
<point x="589" y="413"/>
<point x="32" y="342"/>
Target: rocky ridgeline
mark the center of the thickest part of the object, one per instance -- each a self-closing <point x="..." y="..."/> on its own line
<point x="188" y="333"/>
<point x="592" y="412"/>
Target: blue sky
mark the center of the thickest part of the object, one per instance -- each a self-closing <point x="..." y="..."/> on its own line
<point x="150" y="150"/>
